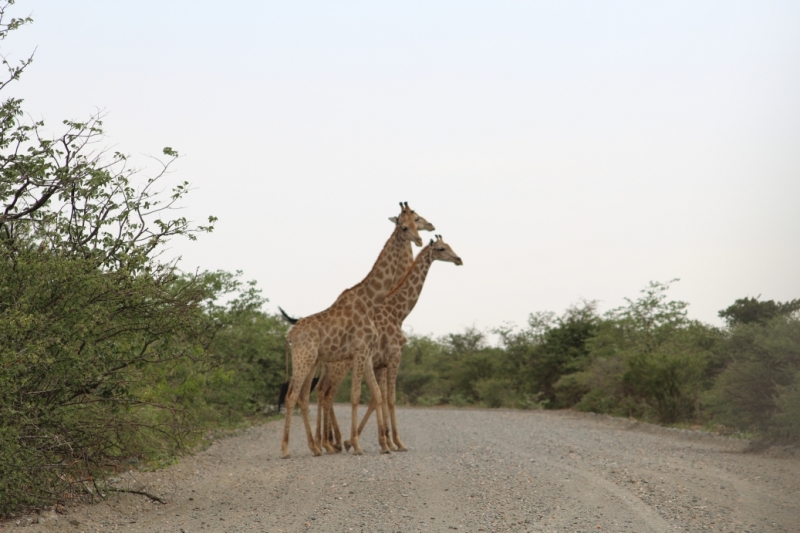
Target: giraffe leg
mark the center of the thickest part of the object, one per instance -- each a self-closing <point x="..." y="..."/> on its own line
<point x="370" y="408"/>
<point x="318" y="434"/>
<point x="323" y="433"/>
<point x="391" y="391"/>
<point x="299" y="384"/>
<point x="327" y="410"/>
<point x="327" y="440"/>
<point x="362" y="364"/>
<point x="379" y="376"/>
<point x="375" y="393"/>
<point x="384" y="409"/>
<point x="326" y="427"/>
<point x="303" y="400"/>
<point x="291" y="398"/>
<point x="336" y="435"/>
<point x="334" y="374"/>
<point x="355" y="397"/>
<point x="332" y="425"/>
<point x="347" y="445"/>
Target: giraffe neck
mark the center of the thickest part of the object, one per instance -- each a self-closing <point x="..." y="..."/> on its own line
<point x="403" y="264"/>
<point x="404" y="296"/>
<point x="380" y="280"/>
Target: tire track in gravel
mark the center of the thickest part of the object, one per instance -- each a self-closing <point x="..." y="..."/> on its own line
<point x="467" y="470"/>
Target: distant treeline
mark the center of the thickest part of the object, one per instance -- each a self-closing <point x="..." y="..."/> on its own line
<point x="645" y="360"/>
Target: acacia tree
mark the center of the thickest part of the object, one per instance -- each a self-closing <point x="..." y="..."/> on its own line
<point x="758" y="389"/>
<point x="648" y="359"/>
<point x="752" y="311"/>
<point x="550" y="349"/>
<point x="90" y="319"/>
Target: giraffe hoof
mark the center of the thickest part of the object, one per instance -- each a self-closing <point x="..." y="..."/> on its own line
<point x="338" y="448"/>
<point x="402" y="449"/>
<point x="347" y="445"/>
<point x="386" y="451"/>
<point x="286" y="456"/>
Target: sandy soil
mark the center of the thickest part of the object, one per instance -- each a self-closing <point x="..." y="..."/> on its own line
<point x="467" y="470"/>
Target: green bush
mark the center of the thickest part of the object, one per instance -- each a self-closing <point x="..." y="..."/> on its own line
<point x="106" y="353"/>
<point x="539" y="357"/>
<point x="77" y="349"/>
<point x="668" y="380"/>
<point x="606" y="391"/>
<point x="412" y="384"/>
<point x="785" y="425"/>
<point x="497" y="392"/>
<point x="248" y="355"/>
<point x="647" y="359"/>
<point x="757" y="391"/>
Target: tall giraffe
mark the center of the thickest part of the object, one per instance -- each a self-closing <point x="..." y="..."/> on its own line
<point x="389" y="317"/>
<point x="401" y="268"/>
<point x="403" y="264"/>
<point x="345" y="332"/>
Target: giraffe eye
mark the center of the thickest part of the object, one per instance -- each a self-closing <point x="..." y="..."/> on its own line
<point x="405" y="228"/>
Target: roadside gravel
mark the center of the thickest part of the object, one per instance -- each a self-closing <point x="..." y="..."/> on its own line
<point x="467" y="470"/>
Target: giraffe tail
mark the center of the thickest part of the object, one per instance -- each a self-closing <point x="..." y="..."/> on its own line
<point x="285" y="386"/>
<point x="282" y="395"/>
<point x="287" y="318"/>
<point x="285" y="390"/>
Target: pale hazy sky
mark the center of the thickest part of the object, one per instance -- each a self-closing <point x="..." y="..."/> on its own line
<point x="565" y="150"/>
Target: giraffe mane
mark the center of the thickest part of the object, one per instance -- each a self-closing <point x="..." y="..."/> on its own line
<point x="384" y="251"/>
<point x="408" y="272"/>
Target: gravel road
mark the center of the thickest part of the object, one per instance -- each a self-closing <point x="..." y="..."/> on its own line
<point x="467" y="470"/>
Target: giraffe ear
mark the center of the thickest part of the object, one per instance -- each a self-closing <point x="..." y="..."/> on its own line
<point x="393" y="219"/>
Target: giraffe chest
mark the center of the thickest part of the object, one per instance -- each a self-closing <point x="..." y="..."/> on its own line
<point x="390" y="344"/>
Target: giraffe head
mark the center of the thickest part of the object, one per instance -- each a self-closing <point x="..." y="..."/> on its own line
<point x="422" y="224"/>
<point x="406" y="224"/>
<point x="442" y="252"/>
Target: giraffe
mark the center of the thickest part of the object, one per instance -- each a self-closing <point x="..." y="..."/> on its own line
<point x="389" y="317"/>
<point x="402" y="266"/>
<point x="345" y="332"/>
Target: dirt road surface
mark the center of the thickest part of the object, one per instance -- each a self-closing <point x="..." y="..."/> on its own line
<point x="467" y="470"/>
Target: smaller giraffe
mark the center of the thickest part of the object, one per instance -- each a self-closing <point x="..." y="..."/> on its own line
<point x="389" y="317"/>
